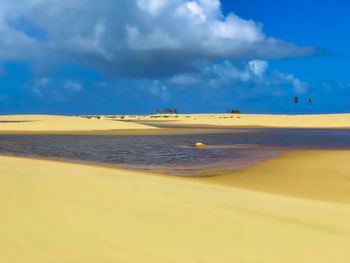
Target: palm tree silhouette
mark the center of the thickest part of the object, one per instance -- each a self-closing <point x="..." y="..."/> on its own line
<point x="296" y="101"/>
<point x="309" y="102"/>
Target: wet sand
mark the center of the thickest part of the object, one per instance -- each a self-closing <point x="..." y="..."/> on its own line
<point x="60" y="212"/>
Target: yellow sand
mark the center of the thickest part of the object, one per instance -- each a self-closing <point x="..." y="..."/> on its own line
<point x="265" y="120"/>
<point x="63" y="123"/>
<point x="319" y="175"/>
<point x="52" y="123"/>
<point x="58" y="212"/>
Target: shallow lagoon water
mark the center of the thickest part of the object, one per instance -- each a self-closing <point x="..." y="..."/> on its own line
<point x="173" y="154"/>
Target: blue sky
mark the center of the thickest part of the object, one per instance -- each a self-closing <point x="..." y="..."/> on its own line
<point x="132" y="57"/>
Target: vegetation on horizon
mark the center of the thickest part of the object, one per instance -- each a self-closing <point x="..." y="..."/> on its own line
<point x="296" y="101"/>
<point x="167" y="111"/>
<point x="91" y="116"/>
<point x="234" y="111"/>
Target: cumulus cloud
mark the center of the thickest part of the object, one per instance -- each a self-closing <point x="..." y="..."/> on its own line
<point x="246" y="78"/>
<point x="299" y="86"/>
<point x="134" y="38"/>
<point x="258" y="67"/>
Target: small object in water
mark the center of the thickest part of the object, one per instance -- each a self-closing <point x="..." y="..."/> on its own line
<point x="199" y="145"/>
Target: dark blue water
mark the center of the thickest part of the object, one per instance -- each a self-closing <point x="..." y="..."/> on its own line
<point x="173" y="153"/>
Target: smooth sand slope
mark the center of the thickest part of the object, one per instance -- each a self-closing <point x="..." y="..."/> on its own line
<point x="318" y="175"/>
<point x="59" y="212"/>
<point x="255" y="120"/>
<point x="49" y="123"/>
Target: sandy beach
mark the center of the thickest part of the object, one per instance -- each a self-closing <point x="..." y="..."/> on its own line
<point x="294" y="208"/>
<point x="60" y="212"/>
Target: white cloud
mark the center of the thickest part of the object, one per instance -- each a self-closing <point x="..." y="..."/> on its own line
<point x="248" y="79"/>
<point x="152" y="6"/>
<point x="258" y="67"/>
<point x="135" y="38"/>
<point x="229" y="72"/>
<point x="299" y="86"/>
<point x="194" y="10"/>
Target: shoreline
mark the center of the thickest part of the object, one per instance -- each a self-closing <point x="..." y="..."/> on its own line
<point x="131" y="132"/>
<point x="310" y="174"/>
<point x="245" y="178"/>
<point x="219" y="177"/>
<point x="174" y="125"/>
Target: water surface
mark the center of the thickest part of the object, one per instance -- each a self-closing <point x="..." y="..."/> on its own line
<point x="173" y="153"/>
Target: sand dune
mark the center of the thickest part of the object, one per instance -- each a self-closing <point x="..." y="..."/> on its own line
<point x="73" y="124"/>
<point x="59" y="212"/>
<point x="35" y="123"/>
<point x="254" y="120"/>
<point x="319" y="175"/>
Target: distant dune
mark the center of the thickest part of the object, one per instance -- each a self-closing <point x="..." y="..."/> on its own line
<point x="60" y="212"/>
<point x="49" y="123"/>
<point x="145" y="124"/>
<point x="253" y="120"/>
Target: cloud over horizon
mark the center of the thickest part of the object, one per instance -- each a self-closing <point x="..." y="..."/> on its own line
<point x="139" y="55"/>
<point x="134" y="39"/>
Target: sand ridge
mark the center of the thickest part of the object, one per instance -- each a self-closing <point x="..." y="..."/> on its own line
<point x="60" y="212"/>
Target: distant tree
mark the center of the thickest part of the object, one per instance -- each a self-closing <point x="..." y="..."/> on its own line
<point x="310" y="102"/>
<point x="296" y="101"/>
<point x="168" y="111"/>
<point x="234" y="111"/>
